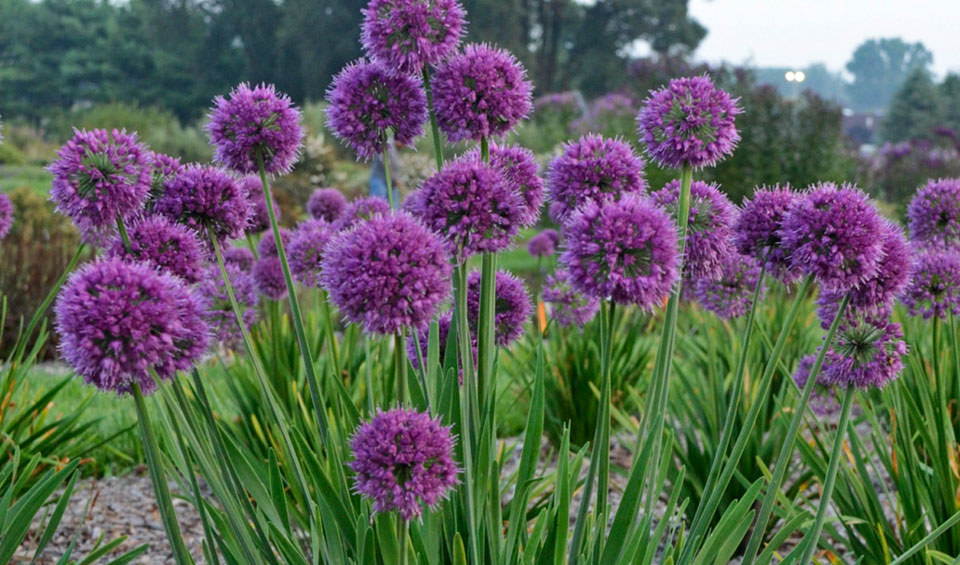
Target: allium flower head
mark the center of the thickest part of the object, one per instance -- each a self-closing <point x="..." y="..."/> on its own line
<point x="544" y="244"/>
<point x="6" y="215"/>
<point x="756" y="231"/>
<point x="481" y="92"/>
<point x="867" y="352"/>
<point x="512" y="306"/>
<point x="730" y="296"/>
<point x="625" y="250"/>
<point x="519" y="166"/>
<point x="168" y="247"/>
<point x="709" y="228"/>
<point x="116" y="320"/>
<point x="367" y="101"/>
<point x="218" y="311"/>
<point x="206" y="199"/>
<point x="567" y="305"/>
<point x="471" y="204"/>
<point x="689" y="122"/>
<point x="268" y="276"/>
<point x="408" y="35"/>
<point x="934" y="287"/>
<point x="268" y="244"/>
<point x="361" y="210"/>
<point x="934" y="214"/>
<point x="240" y="257"/>
<point x="834" y="233"/>
<point x="593" y="168"/>
<point x="443" y="325"/>
<point x="326" y="204"/>
<point x="255" y="121"/>
<point x="164" y="168"/>
<point x="404" y="461"/>
<point x="305" y="251"/>
<point x="387" y="273"/>
<point x="99" y="176"/>
<point x="259" y="215"/>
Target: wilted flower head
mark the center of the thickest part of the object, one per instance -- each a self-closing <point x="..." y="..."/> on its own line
<point x="443" y="327"/>
<point x="99" y="176"/>
<point x="326" y="204"/>
<point x="259" y="215"/>
<point x="519" y="166"/>
<point x="268" y="243"/>
<point x="240" y="257"/>
<point x="268" y="276"/>
<point x="593" y="168"/>
<point x="404" y="461"/>
<point x="544" y="244"/>
<point x="361" y="210"/>
<point x="471" y="204"/>
<point x="512" y="306"/>
<point x="387" y="273"/>
<point x="408" y="35"/>
<point x="625" y="250"/>
<point x="206" y="199"/>
<point x="6" y="215"/>
<point x="867" y="352"/>
<point x="934" y="214"/>
<point x="305" y="251"/>
<point x="730" y="296"/>
<point x="116" y="320"/>
<point x="164" y="168"/>
<point x="367" y="101"/>
<point x="481" y="92"/>
<point x="709" y="234"/>
<point x="168" y="247"/>
<point x="756" y="231"/>
<point x="835" y="234"/>
<point x="934" y="287"/>
<point x="567" y="305"/>
<point x="255" y="121"/>
<point x="218" y="311"/>
<point x="689" y="122"/>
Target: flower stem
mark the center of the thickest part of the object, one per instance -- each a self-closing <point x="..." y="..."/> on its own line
<point x="402" y="530"/>
<point x="400" y="361"/>
<point x="437" y="147"/>
<point x="386" y="175"/>
<point x="813" y="535"/>
<point x="786" y="448"/>
<point x="122" y="228"/>
<point x="469" y="412"/>
<point x="368" y="377"/>
<point x="158" y="478"/>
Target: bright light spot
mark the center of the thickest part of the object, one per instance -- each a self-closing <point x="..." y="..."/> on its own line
<point x="790" y="76"/>
<point x="800" y="76"/>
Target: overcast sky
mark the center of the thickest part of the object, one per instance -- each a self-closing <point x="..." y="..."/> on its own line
<point x="787" y="33"/>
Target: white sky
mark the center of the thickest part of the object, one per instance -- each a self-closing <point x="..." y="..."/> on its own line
<point x="787" y="33"/>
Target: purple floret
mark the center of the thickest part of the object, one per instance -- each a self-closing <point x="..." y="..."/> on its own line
<point x="259" y="215"/>
<point x="305" y="251"/>
<point x="240" y="257"/>
<point x="568" y="306"/>
<point x="218" y="310"/>
<point x="408" y="35"/>
<point x="730" y="296"/>
<point x="512" y="307"/>
<point x="756" y="231"/>
<point x="519" y="166"/>
<point x="206" y="199"/>
<point x="168" y="247"/>
<point x="934" y="287"/>
<point x="268" y="275"/>
<point x="544" y="244"/>
<point x="6" y="215"/>
<point x="361" y="210"/>
<point x="934" y="214"/>
<point x="326" y="204"/>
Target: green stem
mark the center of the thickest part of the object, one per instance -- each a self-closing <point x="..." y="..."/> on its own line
<point x="402" y="531"/>
<point x="318" y="404"/>
<point x="158" y="478"/>
<point x="469" y="417"/>
<point x="813" y="535"/>
<point x="386" y="175"/>
<point x="486" y="347"/>
<point x="422" y="373"/>
<point x="253" y="246"/>
<point x="437" y="147"/>
<point x="400" y="360"/>
<point x="122" y="228"/>
<point x="786" y="448"/>
<point x="368" y="376"/>
<point x="331" y="334"/>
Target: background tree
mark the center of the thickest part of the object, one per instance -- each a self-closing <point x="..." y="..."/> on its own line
<point x="950" y="98"/>
<point x="915" y="110"/>
<point x="879" y="67"/>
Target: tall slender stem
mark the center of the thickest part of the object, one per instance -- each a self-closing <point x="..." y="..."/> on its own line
<point x="469" y="419"/>
<point x="368" y="377"/>
<point x="122" y="228"/>
<point x="400" y="360"/>
<point x="786" y="448"/>
<point x="386" y="175"/>
<point x="402" y="530"/>
<point x="158" y="478"/>
<point x="437" y="147"/>
<point x="809" y="542"/>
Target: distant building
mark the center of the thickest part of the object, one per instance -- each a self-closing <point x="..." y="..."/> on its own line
<point x="861" y="127"/>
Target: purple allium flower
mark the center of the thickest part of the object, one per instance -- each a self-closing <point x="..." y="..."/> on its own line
<point x="471" y="204"/>
<point x="934" y="287"/>
<point x="219" y="312"/>
<point x="206" y="199"/>
<point x="481" y="92"/>
<point x="519" y="166"/>
<point x="624" y="250"/>
<point x="934" y="214"/>
<point x="268" y="244"/>
<point x="100" y="176"/>
<point x="252" y="121"/>
<point x="361" y="210"/>
<point x="709" y="228"/>
<point x="689" y="122"/>
<point x="404" y="461"/>
<point x="867" y="352"/>
<point x="116" y="320"/>
<point x="730" y="296"/>
<point x="544" y="244"/>
<point x="592" y="168"/>
<point x="305" y="251"/>
<point x="240" y="257"/>
<point x="756" y="231"/>
<point x="367" y="100"/>
<point x="408" y="35"/>
<point x="259" y="215"/>
<point x="164" y="168"/>
<point x="443" y="325"/>
<point x="568" y="306"/>
<point x="387" y="273"/>
<point x="834" y="233"/>
<point x="6" y="215"/>
<point x="268" y="276"/>
<point x="168" y="247"/>
<point x="326" y="204"/>
<point x="512" y="306"/>
<point x="823" y="399"/>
